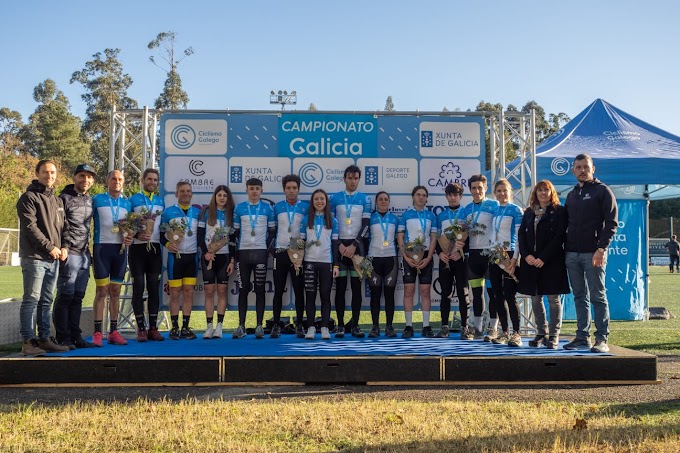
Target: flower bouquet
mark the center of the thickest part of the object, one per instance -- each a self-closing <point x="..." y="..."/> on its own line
<point x="457" y="231"/>
<point x="175" y="231"/>
<point x="219" y="239"/>
<point x="128" y="227"/>
<point x="296" y="252"/>
<point x="147" y="223"/>
<point x="363" y="266"/>
<point x="498" y="255"/>
<point x="415" y="250"/>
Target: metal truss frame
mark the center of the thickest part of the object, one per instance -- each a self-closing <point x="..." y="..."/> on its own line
<point x="133" y="141"/>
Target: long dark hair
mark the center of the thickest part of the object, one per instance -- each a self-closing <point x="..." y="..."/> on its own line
<point x="327" y="218"/>
<point x="228" y="208"/>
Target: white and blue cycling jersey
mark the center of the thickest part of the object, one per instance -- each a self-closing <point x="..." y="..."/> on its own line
<point x="506" y="223"/>
<point x="175" y="215"/>
<point x="350" y="209"/>
<point x="448" y="217"/>
<point x="154" y="204"/>
<point x="251" y="222"/>
<point x="417" y="223"/>
<point x="383" y="232"/>
<point x="221" y="222"/>
<point x="108" y="210"/>
<point x="319" y="239"/>
<point x="288" y="220"/>
<point x="480" y="217"/>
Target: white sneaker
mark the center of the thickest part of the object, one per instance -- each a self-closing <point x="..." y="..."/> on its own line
<point x="218" y="331"/>
<point x="209" y="330"/>
<point x="325" y="334"/>
<point x="311" y="333"/>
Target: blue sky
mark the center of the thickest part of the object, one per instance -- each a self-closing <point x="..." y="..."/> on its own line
<point x="351" y="55"/>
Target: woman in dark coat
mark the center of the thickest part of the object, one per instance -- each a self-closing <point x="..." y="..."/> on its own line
<point x="542" y="271"/>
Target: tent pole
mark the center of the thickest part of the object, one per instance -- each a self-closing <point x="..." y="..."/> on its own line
<point x="646" y="248"/>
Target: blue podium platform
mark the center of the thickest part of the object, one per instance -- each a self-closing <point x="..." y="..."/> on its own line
<point x="291" y="360"/>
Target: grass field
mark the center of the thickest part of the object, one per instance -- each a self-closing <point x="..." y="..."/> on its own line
<point x="361" y="421"/>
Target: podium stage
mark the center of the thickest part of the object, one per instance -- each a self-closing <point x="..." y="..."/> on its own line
<point x="296" y="361"/>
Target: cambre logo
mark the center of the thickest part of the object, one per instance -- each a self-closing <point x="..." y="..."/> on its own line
<point x="183" y="136"/>
<point x="560" y="166"/>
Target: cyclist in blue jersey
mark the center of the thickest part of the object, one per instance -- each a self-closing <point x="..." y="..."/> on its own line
<point x="110" y="261"/>
<point x="255" y="228"/>
<point x="383" y="253"/>
<point x="320" y="231"/>
<point x="217" y="263"/>
<point x="352" y="209"/>
<point x="289" y="214"/>
<point x="452" y="266"/>
<point x="182" y="265"/>
<point x="506" y="223"/>
<point x="146" y="258"/>
<point x="417" y="224"/>
<point x="479" y="214"/>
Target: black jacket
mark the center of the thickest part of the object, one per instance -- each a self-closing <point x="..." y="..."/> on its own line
<point x="41" y="220"/>
<point x="78" y="209"/>
<point x="593" y="217"/>
<point x="546" y="242"/>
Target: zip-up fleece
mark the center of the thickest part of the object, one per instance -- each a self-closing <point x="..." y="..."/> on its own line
<point x="593" y="217"/>
<point x="41" y="221"/>
<point x="78" y="209"/>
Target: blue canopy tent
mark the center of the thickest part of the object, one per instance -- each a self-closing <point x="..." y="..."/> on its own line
<point x="637" y="161"/>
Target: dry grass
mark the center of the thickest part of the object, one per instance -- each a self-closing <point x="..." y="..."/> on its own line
<point x="338" y="424"/>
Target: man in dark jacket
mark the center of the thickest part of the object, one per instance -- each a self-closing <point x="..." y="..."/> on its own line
<point x="593" y="219"/>
<point x="74" y="272"/>
<point x="41" y="219"/>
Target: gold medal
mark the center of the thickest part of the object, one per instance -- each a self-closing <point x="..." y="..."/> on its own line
<point x="115" y="229"/>
<point x="348" y="221"/>
<point x="252" y="232"/>
<point x="386" y="244"/>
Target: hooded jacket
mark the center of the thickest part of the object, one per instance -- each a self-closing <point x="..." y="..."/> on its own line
<point x="41" y="221"/>
<point x="78" y="211"/>
<point x="593" y="217"/>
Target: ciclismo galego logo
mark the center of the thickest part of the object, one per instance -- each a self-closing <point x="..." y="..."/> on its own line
<point x="560" y="166"/>
<point x="183" y="136"/>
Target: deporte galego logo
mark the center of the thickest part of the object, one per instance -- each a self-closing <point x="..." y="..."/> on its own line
<point x="183" y="136"/>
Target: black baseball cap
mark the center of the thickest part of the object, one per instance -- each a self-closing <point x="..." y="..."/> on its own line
<point x="86" y="168"/>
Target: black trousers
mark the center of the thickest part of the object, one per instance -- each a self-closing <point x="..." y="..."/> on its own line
<point x="251" y="262"/>
<point x="318" y="275"/>
<point x="456" y="274"/>
<point x="282" y="269"/>
<point x="504" y="288"/>
<point x="383" y="280"/>
<point x="145" y="266"/>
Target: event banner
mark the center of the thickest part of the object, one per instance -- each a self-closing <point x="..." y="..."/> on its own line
<point x="394" y="152"/>
<point x="627" y="254"/>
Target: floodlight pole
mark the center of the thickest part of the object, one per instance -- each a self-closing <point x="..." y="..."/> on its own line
<point x="283" y="98"/>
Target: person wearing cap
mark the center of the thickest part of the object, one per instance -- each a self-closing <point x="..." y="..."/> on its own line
<point x="145" y="258"/>
<point x="74" y="272"/>
<point x="41" y="220"/>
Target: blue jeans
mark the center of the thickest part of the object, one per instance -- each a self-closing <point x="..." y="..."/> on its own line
<point x="40" y="280"/>
<point x="588" y="286"/>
